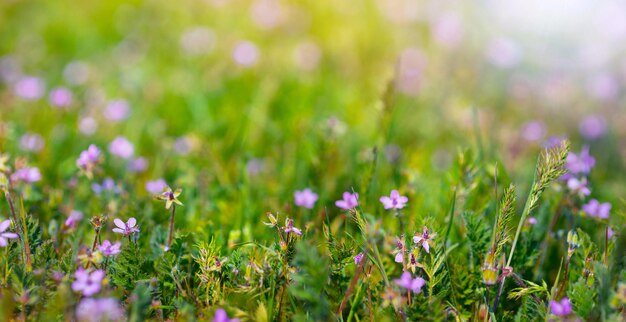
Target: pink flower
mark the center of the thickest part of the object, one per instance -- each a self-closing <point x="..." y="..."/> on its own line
<point x="29" y="88"/>
<point x="394" y="201"/>
<point x="592" y="127"/>
<point x="117" y="110"/>
<point x="400" y="250"/>
<point x="31" y="142"/>
<point x="578" y="186"/>
<point x="138" y="165"/>
<point x="88" y="284"/>
<point x="423" y="239"/>
<point x="290" y="228"/>
<point x="596" y="209"/>
<point x="246" y="54"/>
<point x="126" y="228"/>
<point x="222" y="316"/>
<point x="60" y="97"/>
<point x="107" y="249"/>
<point x="89" y="158"/>
<point x="122" y="148"/>
<point x="305" y="198"/>
<point x="562" y="308"/>
<point x="4" y="235"/>
<point x="73" y="219"/>
<point x="156" y="186"/>
<point x="358" y="258"/>
<point x="26" y="175"/>
<point x="350" y="201"/>
<point x="409" y="283"/>
<point x="101" y="309"/>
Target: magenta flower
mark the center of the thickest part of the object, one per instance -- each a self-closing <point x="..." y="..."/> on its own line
<point x="409" y="283"/>
<point x="89" y="158"/>
<point x="60" y="97"/>
<point x="107" y="249"/>
<point x="116" y="110"/>
<point x="222" y="316"/>
<point x="290" y="228"/>
<point x="138" y="165"/>
<point x="562" y="308"/>
<point x="156" y="186"/>
<point x="88" y="284"/>
<point x="424" y="239"/>
<point x="592" y="127"/>
<point x="31" y="142"/>
<point x="121" y="147"/>
<point x="596" y="209"/>
<point x="26" y="175"/>
<point x="73" y="219"/>
<point x="246" y="54"/>
<point x="531" y="221"/>
<point x="102" y="309"/>
<point x="394" y="201"/>
<point x="5" y="235"/>
<point x="400" y="250"/>
<point x="533" y="131"/>
<point x="553" y="141"/>
<point x="578" y="186"/>
<point x="127" y="228"/>
<point x="581" y="163"/>
<point x="359" y="258"/>
<point x="30" y="88"/>
<point x="305" y="198"/>
<point x="350" y="201"/>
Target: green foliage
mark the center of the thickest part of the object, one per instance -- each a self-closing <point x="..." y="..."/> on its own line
<point x="309" y="283"/>
<point x="128" y="267"/>
<point x="582" y="297"/>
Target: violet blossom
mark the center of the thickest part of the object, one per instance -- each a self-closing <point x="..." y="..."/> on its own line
<point x="562" y="308"/>
<point x="350" y="201"/>
<point x="305" y="198"/>
<point x="222" y="316"/>
<point x="73" y="219"/>
<point x="424" y="239"/>
<point x="122" y="148"/>
<point x="60" y="97"/>
<point x="156" y="186"/>
<point x="108" y="249"/>
<point x="26" y="175"/>
<point x="127" y="228"/>
<point x="596" y="209"/>
<point x="88" y="283"/>
<point x="578" y="186"/>
<point x="4" y="234"/>
<point x="101" y="309"/>
<point x="409" y="283"/>
<point x="359" y="258"/>
<point x="394" y="201"/>
<point x="290" y="228"/>
<point x="88" y="159"/>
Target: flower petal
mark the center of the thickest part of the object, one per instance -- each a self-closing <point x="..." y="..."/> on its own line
<point x="132" y="222"/>
<point x="4" y="225"/>
<point x="119" y="223"/>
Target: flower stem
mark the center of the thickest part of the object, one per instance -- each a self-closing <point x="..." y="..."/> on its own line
<point x="169" y="238"/>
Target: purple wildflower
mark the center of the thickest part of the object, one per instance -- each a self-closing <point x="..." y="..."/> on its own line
<point x="562" y="308"/>
<point x="102" y="309"/>
<point x="305" y="198"/>
<point x="60" y="97"/>
<point x="532" y="221"/>
<point x="222" y="316"/>
<point x="578" y="186"/>
<point x="116" y="110"/>
<point x="138" y="165"/>
<point x="29" y="88"/>
<point x="86" y="283"/>
<point x="88" y="125"/>
<point x="89" y="158"/>
<point x="394" y="201"/>
<point x="596" y="209"/>
<point x="409" y="283"/>
<point x="73" y="219"/>
<point x="156" y="186"/>
<point x="290" y="228"/>
<point x="26" y="175"/>
<point x="553" y="141"/>
<point x="400" y="250"/>
<point x="424" y="239"/>
<point x="4" y="235"/>
<point x="610" y="233"/>
<point x="121" y="147"/>
<point x="246" y="54"/>
<point x="350" y="201"/>
<point x="581" y="163"/>
<point x="127" y="228"/>
<point x="31" y="142"/>
<point x="592" y="127"/>
<point x="359" y="258"/>
<point x="107" y="249"/>
<point x="533" y="131"/>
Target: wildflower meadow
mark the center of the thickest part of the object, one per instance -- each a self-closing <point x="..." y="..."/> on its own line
<point x="273" y="160"/>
